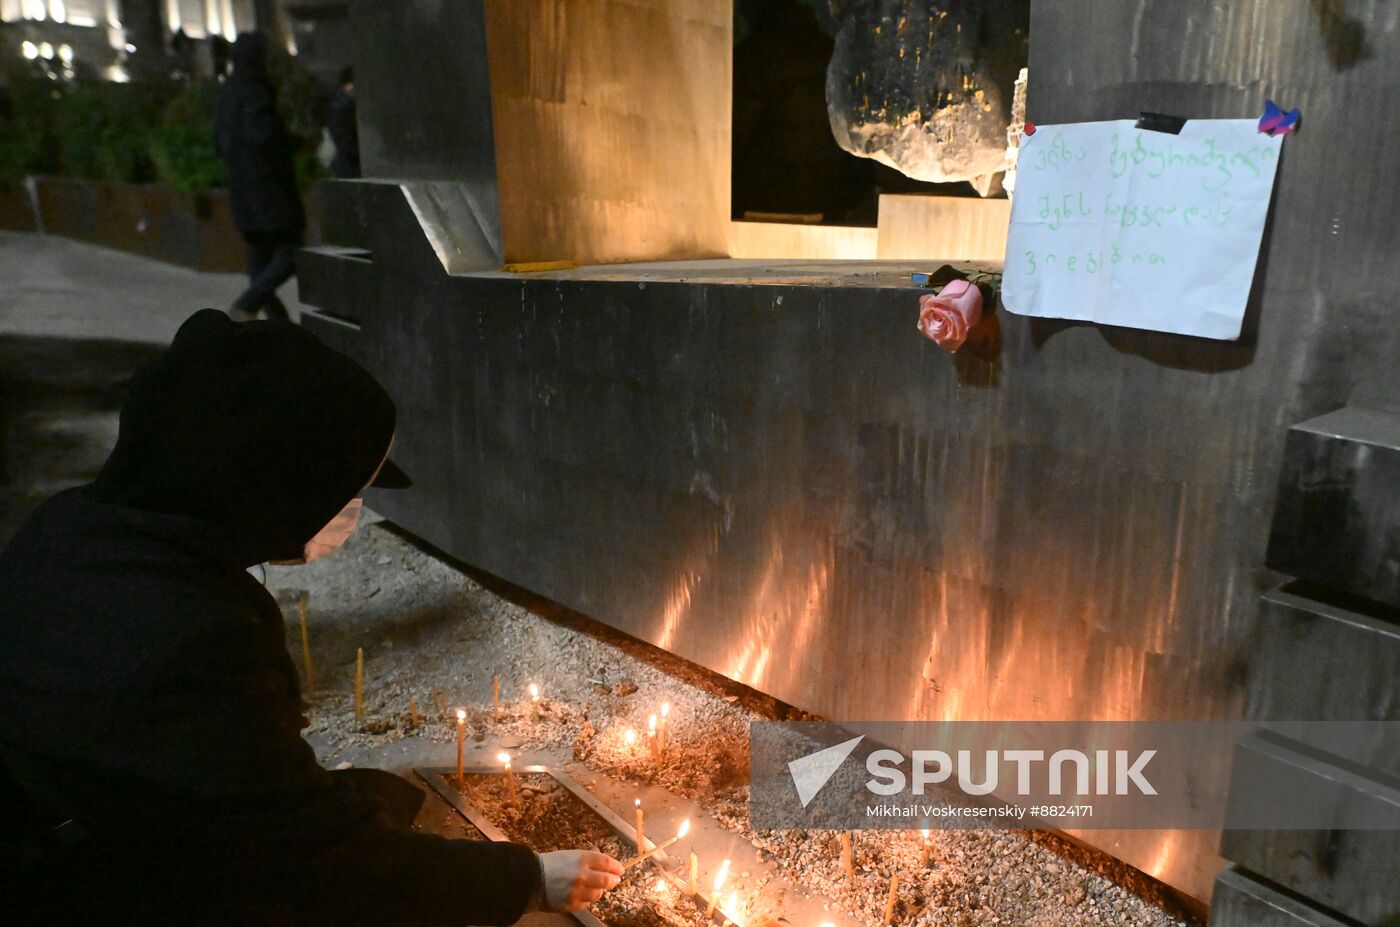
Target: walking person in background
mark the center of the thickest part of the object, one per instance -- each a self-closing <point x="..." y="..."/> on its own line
<point x="345" y="133"/>
<point x="257" y="148"/>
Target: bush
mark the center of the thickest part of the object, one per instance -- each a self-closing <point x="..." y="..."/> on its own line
<point x="301" y="102"/>
<point x="27" y="141"/>
<point x="182" y="146"/>
<point x="143" y="131"/>
<point x="104" y="130"/>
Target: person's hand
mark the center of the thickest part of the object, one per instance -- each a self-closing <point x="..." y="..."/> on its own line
<point x="574" y="879"/>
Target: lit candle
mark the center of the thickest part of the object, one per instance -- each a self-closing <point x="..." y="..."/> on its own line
<point x="306" y="647"/>
<point x="510" y="775"/>
<point x="641" y="840"/>
<point x="629" y="737"/>
<point x="665" y="713"/>
<point x="496" y="694"/>
<point x="731" y="908"/>
<point x="926" y="852"/>
<point x="535" y="700"/>
<point x="461" y="734"/>
<point x="651" y="737"/>
<point x="360" y="684"/>
<point x="847" y="855"/>
<point x="890" y="903"/>
<point x="684" y="829"/>
<point x="694" y="886"/>
<point x="719" y="884"/>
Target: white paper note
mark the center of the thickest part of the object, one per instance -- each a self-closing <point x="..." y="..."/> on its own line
<point x="1126" y="226"/>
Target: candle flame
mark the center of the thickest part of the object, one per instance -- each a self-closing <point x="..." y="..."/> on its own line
<point x="665" y="709"/>
<point x="503" y="758"/>
<point x="461" y="715"/>
<point x="651" y="724"/>
<point x="661" y="886"/>
<point x="534" y="692"/>
<point x="721" y="875"/>
<point x="685" y="829"/>
<point x="638" y="803"/>
<point x="630" y="736"/>
<point x="925" y="832"/>
<point x="731" y="908"/>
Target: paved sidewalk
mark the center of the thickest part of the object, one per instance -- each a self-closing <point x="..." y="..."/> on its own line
<point x="76" y="321"/>
<point x="53" y="286"/>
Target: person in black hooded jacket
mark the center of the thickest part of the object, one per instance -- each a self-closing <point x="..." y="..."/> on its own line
<point x="258" y="152"/>
<point x="151" y="764"/>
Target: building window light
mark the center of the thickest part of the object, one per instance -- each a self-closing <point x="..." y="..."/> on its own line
<point x="29" y="50"/>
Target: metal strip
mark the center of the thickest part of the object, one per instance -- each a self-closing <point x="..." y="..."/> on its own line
<point x="439" y="779"/>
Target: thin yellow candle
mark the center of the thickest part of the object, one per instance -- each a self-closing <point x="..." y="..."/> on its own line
<point x="641" y="839"/>
<point x="694" y="885"/>
<point x="719" y="884"/>
<point x="461" y="736"/>
<point x="413" y="715"/>
<point x="890" y="903"/>
<point x="359" y="684"/>
<point x="306" y="647"/>
<point x="926" y="852"/>
<point x="684" y="829"/>
<point x="510" y="776"/>
<point x="661" y="732"/>
<point x="535" y="700"/>
<point x="496" y="694"/>
<point x="848" y="855"/>
<point x="651" y="738"/>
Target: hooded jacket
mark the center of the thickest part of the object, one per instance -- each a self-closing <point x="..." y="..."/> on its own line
<point x="148" y="694"/>
<point x="256" y="147"/>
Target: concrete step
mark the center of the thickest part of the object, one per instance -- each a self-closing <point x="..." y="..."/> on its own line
<point x="1323" y="661"/>
<point x="1347" y="869"/>
<point x="1337" y="516"/>
<point x="1242" y="899"/>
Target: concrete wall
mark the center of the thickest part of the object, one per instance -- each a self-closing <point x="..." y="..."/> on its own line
<point x="766" y="470"/>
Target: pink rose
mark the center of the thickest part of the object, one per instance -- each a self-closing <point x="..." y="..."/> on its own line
<point x="946" y="318"/>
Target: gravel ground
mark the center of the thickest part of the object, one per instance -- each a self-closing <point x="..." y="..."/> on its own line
<point x="434" y="638"/>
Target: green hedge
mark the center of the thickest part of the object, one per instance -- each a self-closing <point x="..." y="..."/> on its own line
<point x="138" y="132"/>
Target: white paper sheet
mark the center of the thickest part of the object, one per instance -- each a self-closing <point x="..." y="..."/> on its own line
<point x="1126" y="226"/>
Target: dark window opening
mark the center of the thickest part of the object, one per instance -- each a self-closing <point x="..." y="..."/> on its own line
<point x="786" y="166"/>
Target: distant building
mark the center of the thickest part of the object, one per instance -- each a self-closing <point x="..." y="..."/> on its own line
<point x="118" y="39"/>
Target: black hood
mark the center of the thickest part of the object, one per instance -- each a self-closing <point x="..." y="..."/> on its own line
<point x="249" y="55"/>
<point x="256" y="429"/>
